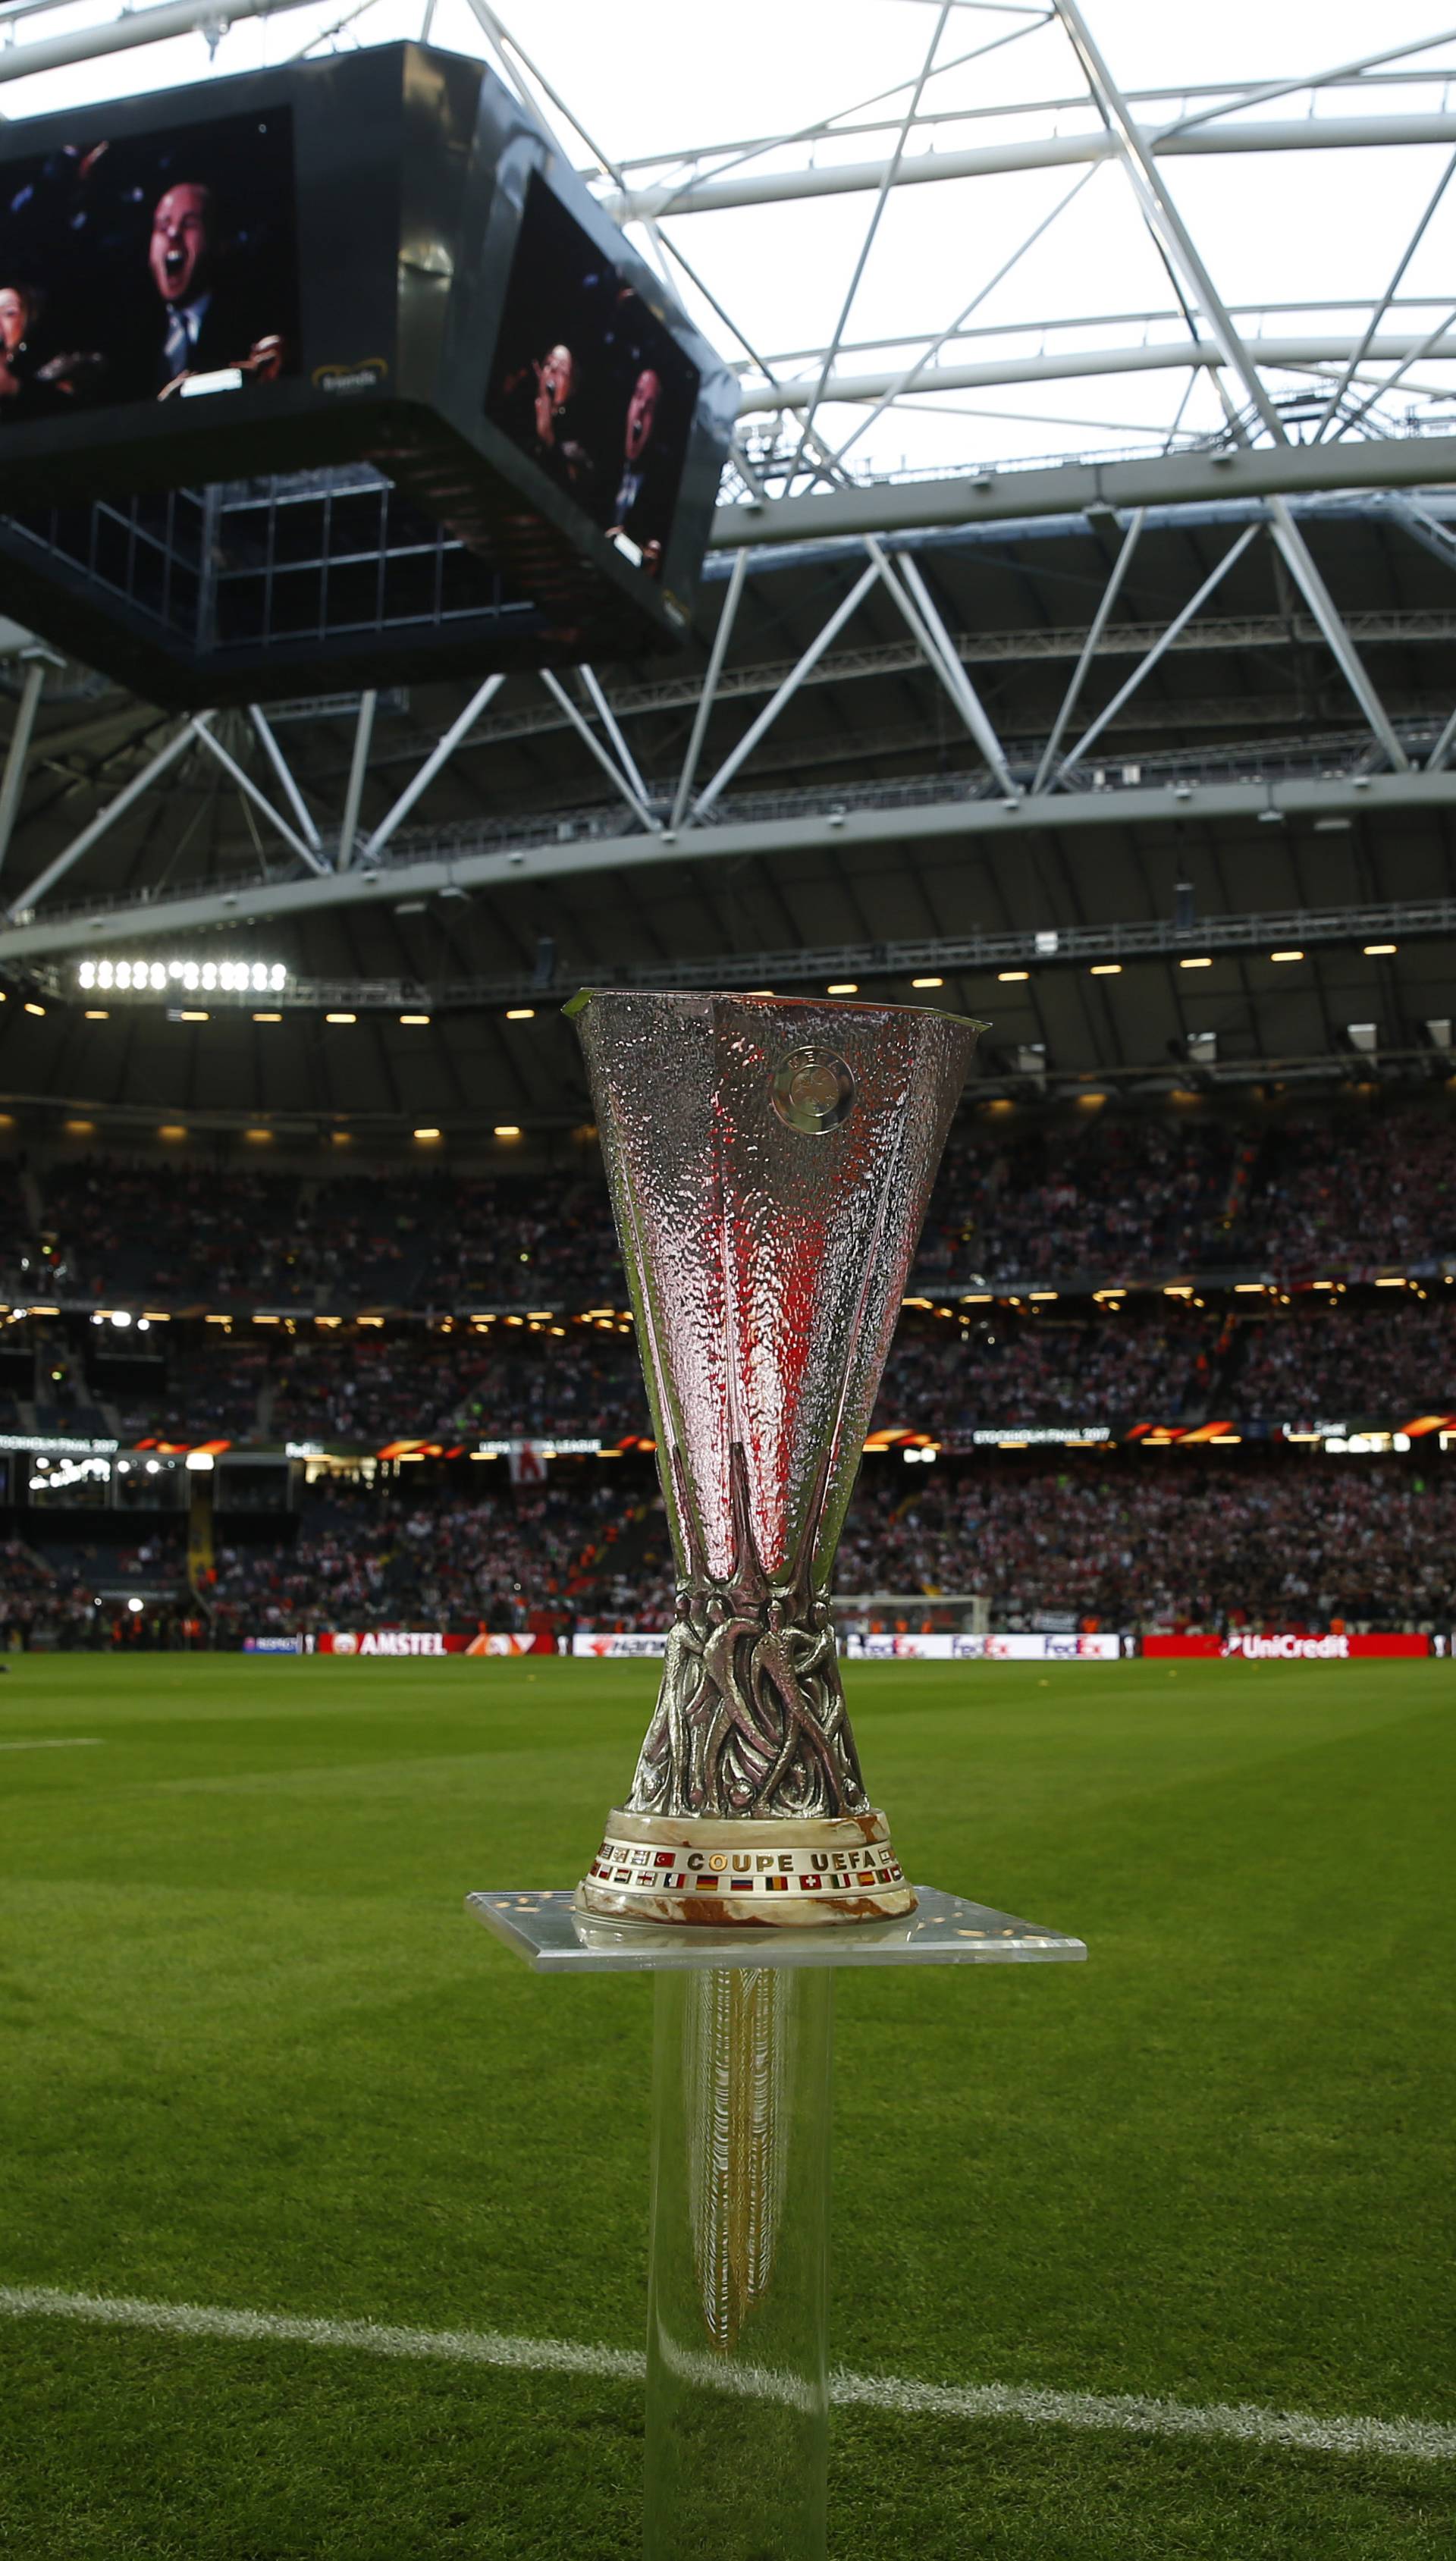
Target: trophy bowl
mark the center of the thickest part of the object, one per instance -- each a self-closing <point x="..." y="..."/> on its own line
<point x="771" y="1161"/>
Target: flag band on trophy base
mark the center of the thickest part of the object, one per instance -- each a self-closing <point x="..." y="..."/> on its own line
<point x="651" y="1868"/>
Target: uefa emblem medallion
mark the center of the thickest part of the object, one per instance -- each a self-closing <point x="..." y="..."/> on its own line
<point x="771" y="1161"/>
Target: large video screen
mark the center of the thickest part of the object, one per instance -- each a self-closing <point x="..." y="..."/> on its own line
<point x="148" y="267"/>
<point x="589" y="384"/>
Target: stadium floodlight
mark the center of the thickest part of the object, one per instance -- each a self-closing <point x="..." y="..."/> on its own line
<point x="139" y="977"/>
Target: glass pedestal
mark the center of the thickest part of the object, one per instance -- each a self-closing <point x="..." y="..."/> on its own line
<point x="737" y="2339"/>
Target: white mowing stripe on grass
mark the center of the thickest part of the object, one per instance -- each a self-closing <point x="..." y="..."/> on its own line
<point x="53" y="1743"/>
<point x="1422" y="2440"/>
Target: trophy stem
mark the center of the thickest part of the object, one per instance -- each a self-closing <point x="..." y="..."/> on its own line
<point x="737" y="2340"/>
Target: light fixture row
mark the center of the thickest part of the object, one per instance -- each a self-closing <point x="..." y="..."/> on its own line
<point x="156" y="978"/>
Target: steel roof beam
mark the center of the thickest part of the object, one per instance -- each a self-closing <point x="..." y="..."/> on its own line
<point x="1167" y="640"/>
<point x="237" y="773"/>
<point x="440" y="755"/>
<point x="1071" y="488"/>
<point x="906" y="822"/>
<point x="939" y="652"/>
<point x="1162" y="315"/>
<point x="1192" y="279"/>
<point x="182" y="738"/>
<point x="18" y="753"/>
<point x="139" y="27"/>
<point x="1227" y="95"/>
<point x="589" y="740"/>
<point x="358" y="769"/>
<point x="707" y="691"/>
<point x="804" y="666"/>
<point x="1097" y="641"/>
<point x="1352" y="69"/>
<point x="1074" y="364"/>
<point x="994" y="160"/>
<point x="313" y="841"/>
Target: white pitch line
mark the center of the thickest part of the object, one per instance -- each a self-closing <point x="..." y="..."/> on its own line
<point x="53" y="1742"/>
<point x="1422" y="2440"/>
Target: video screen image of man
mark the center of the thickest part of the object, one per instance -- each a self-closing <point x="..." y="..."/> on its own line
<point x="28" y="389"/>
<point x="636" y="510"/>
<point x="589" y="384"/>
<point x="145" y="266"/>
<point x="537" y="400"/>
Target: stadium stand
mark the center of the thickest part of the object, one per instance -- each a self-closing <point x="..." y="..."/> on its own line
<point x="1148" y="1357"/>
<point x="1011" y="1368"/>
<point x="354" y="1312"/>
<point x="1157" y="1540"/>
<point x="1326" y="1355"/>
<point x="452" y="1556"/>
<point x="1128" y="1541"/>
<point x="1130" y="1196"/>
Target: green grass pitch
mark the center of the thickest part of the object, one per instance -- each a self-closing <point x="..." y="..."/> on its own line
<point x="253" y="2053"/>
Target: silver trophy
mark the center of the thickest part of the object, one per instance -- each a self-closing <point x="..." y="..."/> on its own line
<point x="770" y="1160"/>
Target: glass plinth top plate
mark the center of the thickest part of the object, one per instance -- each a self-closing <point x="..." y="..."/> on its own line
<point x="944" y="1930"/>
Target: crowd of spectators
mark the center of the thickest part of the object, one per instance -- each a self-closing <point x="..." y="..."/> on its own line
<point x="505" y="1241"/>
<point x="431" y="1384"/>
<point x="1355" y="1193"/>
<point x="1136" y="1197"/>
<point x="30" y="1594"/>
<point x="1132" y="1542"/>
<point x="181" y="1233"/>
<point x="53" y="1600"/>
<point x="1112" y="1194"/>
<point x="1104" y="1195"/>
<point x="1135" y="1540"/>
<point x="1022" y="1369"/>
<point x="476" y="1559"/>
<point x="177" y="1230"/>
<point x="196" y="1383"/>
<point x="1150" y="1540"/>
<point x="1374" y="1354"/>
<point x="1325" y="1357"/>
<point x="1118" y="1198"/>
<point x="17" y="1248"/>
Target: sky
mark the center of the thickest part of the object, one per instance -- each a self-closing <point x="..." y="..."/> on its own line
<point x="1276" y="229"/>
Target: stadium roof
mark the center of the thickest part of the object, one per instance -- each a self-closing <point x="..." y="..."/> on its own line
<point x="1086" y="536"/>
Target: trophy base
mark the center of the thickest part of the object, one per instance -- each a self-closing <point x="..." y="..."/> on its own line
<point x="783" y="1871"/>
